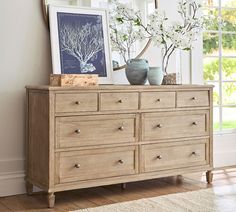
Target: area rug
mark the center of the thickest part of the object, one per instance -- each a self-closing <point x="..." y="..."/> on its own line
<point x="205" y="200"/>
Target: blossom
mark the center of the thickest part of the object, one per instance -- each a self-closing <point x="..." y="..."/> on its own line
<point x="127" y="27"/>
<point x="125" y="30"/>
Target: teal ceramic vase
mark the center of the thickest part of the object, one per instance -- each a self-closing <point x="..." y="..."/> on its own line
<point x="136" y="71"/>
<point x="155" y="75"/>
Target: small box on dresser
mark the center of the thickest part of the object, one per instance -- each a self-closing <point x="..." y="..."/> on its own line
<point x="79" y="137"/>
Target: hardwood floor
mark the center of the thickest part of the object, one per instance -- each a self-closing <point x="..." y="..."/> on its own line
<point x="92" y="197"/>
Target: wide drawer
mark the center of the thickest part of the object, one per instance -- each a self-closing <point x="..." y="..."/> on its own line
<point x="95" y="164"/>
<point x="154" y="157"/>
<point x="76" y="102"/>
<point x="95" y="130"/>
<point x="157" y="126"/>
<point x="119" y="101"/>
<point x="154" y="100"/>
<point x="193" y="98"/>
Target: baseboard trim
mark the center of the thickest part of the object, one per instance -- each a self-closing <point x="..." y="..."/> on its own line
<point x="12" y="183"/>
<point x="224" y="159"/>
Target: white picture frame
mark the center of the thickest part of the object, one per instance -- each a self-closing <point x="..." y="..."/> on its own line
<point x="80" y="41"/>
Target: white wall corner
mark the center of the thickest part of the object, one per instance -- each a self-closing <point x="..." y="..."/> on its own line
<point x="12" y="177"/>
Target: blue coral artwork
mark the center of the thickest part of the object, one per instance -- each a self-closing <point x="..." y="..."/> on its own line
<point x="81" y="44"/>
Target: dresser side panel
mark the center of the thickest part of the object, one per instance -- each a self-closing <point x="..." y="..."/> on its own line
<point x="38" y="144"/>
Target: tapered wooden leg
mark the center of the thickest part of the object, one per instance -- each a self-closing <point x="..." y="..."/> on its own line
<point x="51" y="200"/>
<point x="209" y="176"/>
<point x="29" y="188"/>
<point x="123" y="186"/>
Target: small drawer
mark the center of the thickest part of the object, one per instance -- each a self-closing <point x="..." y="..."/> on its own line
<point x="155" y="100"/>
<point x="95" y="164"/>
<point x="155" y="158"/>
<point x="81" y="131"/>
<point x="193" y="99"/>
<point x="76" y="102"/>
<point x="119" y="101"/>
<point x="158" y="126"/>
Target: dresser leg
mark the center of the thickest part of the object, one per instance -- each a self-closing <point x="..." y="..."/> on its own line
<point x="51" y="200"/>
<point x="29" y="188"/>
<point x="209" y="176"/>
<point x="123" y="186"/>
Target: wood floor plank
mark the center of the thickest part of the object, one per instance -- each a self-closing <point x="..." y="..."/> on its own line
<point x="97" y="198"/>
<point x="128" y="193"/>
<point x="82" y="199"/>
<point x="3" y="208"/>
<point x="113" y="196"/>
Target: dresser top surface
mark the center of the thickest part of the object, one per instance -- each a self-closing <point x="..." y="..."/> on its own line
<point x="120" y="87"/>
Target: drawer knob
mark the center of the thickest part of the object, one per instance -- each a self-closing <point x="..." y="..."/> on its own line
<point x="77" y="102"/>
<point x="195" y="153"/>
<point x="159" y="157"/>
<point x="121" y="128"/>
<point x="120" y="161"/>
<point x="77" y="131"/>
<point x="194" y="98"/>
<point x="159" y="126"/>
<point x="158" y="100"/>
<point x="120" y="101"/>
<point x="195" y="123"/>
<point x="77" y="166"/>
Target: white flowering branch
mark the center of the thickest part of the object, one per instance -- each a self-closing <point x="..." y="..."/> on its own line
<point x="124" y="33"/>
<point x="170" y="36"/>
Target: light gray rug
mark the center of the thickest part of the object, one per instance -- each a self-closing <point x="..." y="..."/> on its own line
<point x="221" y="199"/>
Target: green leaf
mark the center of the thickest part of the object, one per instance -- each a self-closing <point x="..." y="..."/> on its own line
<point x="125" y="37"/>
<point x="121" y="20"/>
<point x="187" y="49"/>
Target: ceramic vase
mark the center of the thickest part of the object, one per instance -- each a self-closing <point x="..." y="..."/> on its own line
<point x="136" y="71"/>
<point x="155" y="75"/>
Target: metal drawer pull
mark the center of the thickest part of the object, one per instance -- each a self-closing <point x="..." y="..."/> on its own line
<point x="121" y="128"/>
<point x="159" y="157"/>
<point x="77" y="102"/>
<point x="77" y="131"/>
<point x="159" y="125"/>
<point x="194" y="98"/>
<point x="195" y="153"/>
<point x="194" y="123"/>
<point x="120" y="101"/>
<point x="158" y="100"/>
<point x="120" y="161"/>
<point x="77" y="166"/>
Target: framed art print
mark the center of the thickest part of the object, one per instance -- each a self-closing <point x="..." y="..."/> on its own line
<point x="80" y="42"/>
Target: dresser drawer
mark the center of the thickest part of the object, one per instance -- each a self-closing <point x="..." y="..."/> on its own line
<point x="95" y="164"/>
<point x="119" y="101"/>
<point x="193" y="99"/>
<point x="154" y="100"/>
<point x="76" y="102"/>
<point x="156" y="158"/>
<point x="95" y="130"/>
<point x="157" y="126"/>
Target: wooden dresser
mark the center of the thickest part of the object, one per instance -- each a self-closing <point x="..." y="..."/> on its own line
<point x="85" y="137"/>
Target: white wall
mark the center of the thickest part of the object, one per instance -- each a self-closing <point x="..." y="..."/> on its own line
<point x="24" y="59"/>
